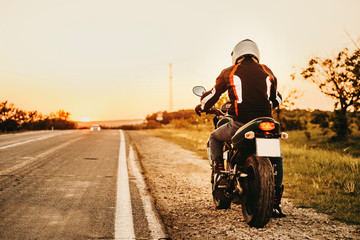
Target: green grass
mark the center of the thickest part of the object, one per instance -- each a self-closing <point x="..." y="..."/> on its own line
<point x="325" y="180"/>
<point x="194" y="139"/>
<point x="322" y="177"/>
<point x="320" y="140"/>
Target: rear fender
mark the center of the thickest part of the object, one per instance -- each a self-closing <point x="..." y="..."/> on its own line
<point x="239" y="137"/>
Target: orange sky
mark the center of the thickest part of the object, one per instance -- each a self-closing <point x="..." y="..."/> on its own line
<point x="109" y="60"/>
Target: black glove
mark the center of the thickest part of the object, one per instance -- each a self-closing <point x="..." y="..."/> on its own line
<point x="198" y="109"/>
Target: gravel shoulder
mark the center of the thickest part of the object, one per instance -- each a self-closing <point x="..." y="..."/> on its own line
<point x="179" y="182"/>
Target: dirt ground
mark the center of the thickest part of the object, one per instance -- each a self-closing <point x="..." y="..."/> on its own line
<point x="179" y="181"/>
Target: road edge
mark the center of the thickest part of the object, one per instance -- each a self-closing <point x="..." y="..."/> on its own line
<point x="154" y="219"/>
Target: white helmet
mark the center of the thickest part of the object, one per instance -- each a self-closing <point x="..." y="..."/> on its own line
<point x="243" y="48"/>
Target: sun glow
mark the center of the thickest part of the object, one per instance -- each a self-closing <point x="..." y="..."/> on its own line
<point x="85" y="119"/>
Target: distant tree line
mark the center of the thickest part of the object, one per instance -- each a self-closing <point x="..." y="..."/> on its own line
<point x="15" y="119"/>
<point x="295" y="119"/>
<point x="298" y="119"/>
<point x="167" y="117"/>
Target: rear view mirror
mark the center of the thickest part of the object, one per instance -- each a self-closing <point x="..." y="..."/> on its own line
<point x="199" y="90"/>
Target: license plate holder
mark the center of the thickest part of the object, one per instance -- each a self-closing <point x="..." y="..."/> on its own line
<point x="266" y="147"/>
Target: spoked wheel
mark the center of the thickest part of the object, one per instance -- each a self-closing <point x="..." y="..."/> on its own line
<point x="259" y="189"/>
<point x="221" y="202"/>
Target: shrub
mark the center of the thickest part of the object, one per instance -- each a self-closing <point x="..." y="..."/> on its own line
<point x="152" y="124"/>
<point x="292" y="124"/>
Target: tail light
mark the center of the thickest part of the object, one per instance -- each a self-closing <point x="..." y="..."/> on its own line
<point x="267" y="126"/>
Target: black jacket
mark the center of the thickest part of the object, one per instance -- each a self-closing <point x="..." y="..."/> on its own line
<point x="252" y="88"/>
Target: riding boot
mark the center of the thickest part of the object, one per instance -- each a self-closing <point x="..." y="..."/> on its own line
<point x="277" y="212"/>
<point x="220" y="178"/>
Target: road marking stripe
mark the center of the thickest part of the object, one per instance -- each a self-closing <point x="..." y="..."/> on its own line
<point x="155" y="225"/>
<point x="124" y="228"/>
<point x="35" y="139"/>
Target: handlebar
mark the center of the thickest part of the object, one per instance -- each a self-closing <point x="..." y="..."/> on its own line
<point x="216" y="111"/>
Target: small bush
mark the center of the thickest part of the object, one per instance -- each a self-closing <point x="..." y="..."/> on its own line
<point x="292" y="124"/>
<point x="152" y="124"/>
<point x="132" y="127"/>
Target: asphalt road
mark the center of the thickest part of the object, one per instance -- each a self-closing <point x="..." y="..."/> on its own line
<point x="73" y="185"/>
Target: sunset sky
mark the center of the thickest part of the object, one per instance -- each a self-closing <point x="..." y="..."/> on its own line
<point x="109" y="59"/>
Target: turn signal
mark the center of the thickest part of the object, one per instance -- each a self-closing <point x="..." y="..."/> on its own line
<point x="284" y="135"/>
<point x="267" y="126"/>
<point x="249" y="135"/>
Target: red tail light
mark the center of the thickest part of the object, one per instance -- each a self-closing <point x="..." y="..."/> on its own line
<point x="267" y="126"/>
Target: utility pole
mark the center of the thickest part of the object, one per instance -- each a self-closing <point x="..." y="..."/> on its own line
<point x="171" y="90"/>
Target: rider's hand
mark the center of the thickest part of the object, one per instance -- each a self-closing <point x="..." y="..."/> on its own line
<point x="198" y="109"/>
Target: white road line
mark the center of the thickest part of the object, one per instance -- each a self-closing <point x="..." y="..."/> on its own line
<point x="155" y="226"/>
<point x="124" y="228"/>
<point x="35" y="139"/>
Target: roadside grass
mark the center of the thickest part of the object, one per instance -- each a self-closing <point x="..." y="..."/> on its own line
<point x="319" y="138"/>
<point x="324" y="178"/>
<point x="194" y="139"/>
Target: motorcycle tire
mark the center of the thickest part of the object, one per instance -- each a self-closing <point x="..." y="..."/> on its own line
<point x="259" y="187"/>
<point x="220" y="202"/>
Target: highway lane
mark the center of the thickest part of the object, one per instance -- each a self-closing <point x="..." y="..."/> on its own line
<point x="14" y="139"/>
<point x="65" y="185"/>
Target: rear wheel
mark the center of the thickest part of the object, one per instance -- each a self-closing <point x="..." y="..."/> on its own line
<point x="259" y="190"/>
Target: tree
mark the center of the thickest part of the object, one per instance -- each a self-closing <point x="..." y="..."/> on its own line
<point x="289" y="98"/>
<point x="338" y="78"/>
<point x="8" y="117"/>
<point x="61" y="114"/>
<point x="320" y="117"/>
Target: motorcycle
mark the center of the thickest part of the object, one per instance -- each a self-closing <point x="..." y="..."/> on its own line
<point x="247" y="165"/>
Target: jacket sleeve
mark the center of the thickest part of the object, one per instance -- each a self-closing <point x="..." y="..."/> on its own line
<point x="275" y="96"/>
<point x="209" y="98"/>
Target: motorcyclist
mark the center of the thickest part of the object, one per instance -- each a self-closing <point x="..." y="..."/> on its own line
<point x="252" y="90"/>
